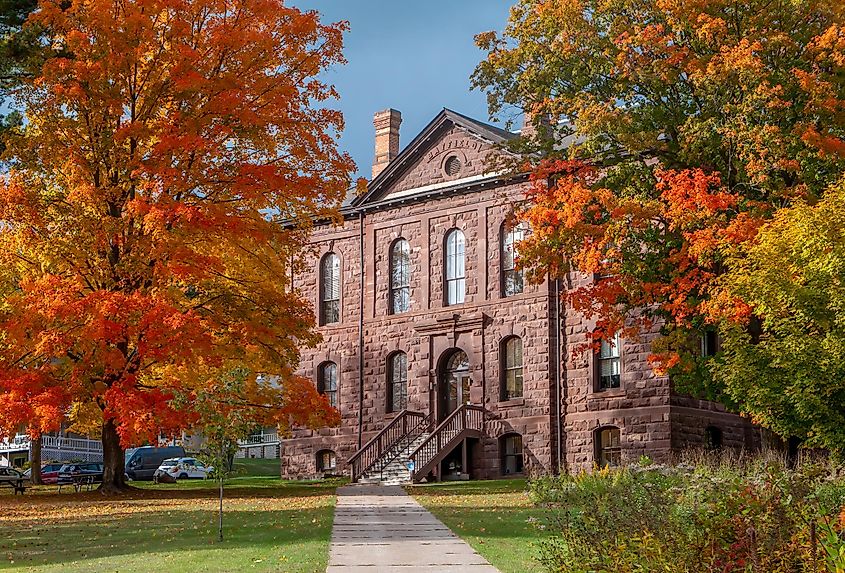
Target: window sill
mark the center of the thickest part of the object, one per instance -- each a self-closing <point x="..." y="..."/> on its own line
<point x="609" y="393"/>
<point x="510" y="403"/>
<point x="334" y="325"/>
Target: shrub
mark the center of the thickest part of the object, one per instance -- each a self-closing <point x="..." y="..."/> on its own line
<point x="753" y="517"/>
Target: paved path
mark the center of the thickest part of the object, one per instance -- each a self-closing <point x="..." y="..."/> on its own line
<point x="381" y="529"/>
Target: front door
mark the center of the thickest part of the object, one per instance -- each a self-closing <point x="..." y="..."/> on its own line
<point x="454" y="384"/>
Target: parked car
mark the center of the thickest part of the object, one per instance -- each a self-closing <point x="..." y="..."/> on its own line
<point x="71" y="472"/>
<point x="49" y="473"/>
<point x="182" y="468"/>
<point x="11" y="476"/>
<point x="142" y="463"/>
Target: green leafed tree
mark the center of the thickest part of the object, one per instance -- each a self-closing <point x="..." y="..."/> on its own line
<point x="791" y="374"/>
<point x="690" y="124"/>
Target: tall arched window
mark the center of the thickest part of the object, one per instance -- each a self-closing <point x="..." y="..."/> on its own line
<point x="512" y="368"/>
<point x="608" y="446"/>
<point x="609" y="364"/>
<point x="327" y="382"/>
<point x="455" y="267"/>
<point x="400" y="277"/>
<point x="397" y="382"/>
<point x="512" y="279"/>
<point x="330" y="289"/>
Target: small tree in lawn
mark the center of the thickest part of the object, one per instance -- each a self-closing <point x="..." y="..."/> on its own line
<point x="138" y="252"/>
<point x="223" y="423"/>
<point x="225" y="416"/>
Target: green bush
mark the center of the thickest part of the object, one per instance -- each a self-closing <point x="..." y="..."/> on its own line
<point x="752" y="517"/>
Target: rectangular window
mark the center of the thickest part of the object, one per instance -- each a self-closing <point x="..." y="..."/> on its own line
<point x="456" y="291"/>
<point x="455" y="267"/>
<point x="330" y="289"/>
<point x="512" y="462"/>
<point x="331" y="311"/>
<point x="709" y="343"/>
<point x="610" y="364"/>
<point x="609" y="448"/>
<point x="398" y="382"/>
<point x="327" y="461"/>
<point x="513" y="369"/>
<point x="400" y="277"/>
<point x="512" y="277"/>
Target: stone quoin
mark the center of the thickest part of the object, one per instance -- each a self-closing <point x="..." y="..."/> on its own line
<point x="421" y="308"/>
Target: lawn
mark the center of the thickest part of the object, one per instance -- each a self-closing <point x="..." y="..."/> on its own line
<point x="257" y="467"/>
<point x="270" y="525"/>
<point x="495" y="517"/>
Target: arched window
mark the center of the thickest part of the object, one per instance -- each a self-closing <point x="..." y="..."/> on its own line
<point x="327" y="382"/>
<point x="512" y="278"/>
<point x="712" y="438"/>
<point x="397" y="382"/>
<point x="609" y="364"/>
<point x="326" y="461"/>
<point x="608" y="446"/>
<point x="330" y="289"/>
<point x="400" y="277"/>
<point x="511" y="449"/>
<point x="455" y="267"/>
<point x="512" y="368"/>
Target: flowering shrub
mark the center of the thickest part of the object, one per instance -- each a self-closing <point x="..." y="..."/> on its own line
<point x="755" y="517"/>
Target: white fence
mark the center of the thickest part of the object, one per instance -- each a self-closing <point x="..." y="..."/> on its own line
<point x="57" y="447"/>
<point x="263" y="445"/>
<point x="259" y="445"/>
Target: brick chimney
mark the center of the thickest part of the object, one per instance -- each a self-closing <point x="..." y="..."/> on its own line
<point x="530" y="127"/>
<point x="387" y="124"/>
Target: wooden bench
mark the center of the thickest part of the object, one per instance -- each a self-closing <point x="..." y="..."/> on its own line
<point x="17" y="485"/>
<point x="79" y="483"/>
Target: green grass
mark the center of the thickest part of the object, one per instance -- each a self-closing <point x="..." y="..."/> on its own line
<point x="269" y="525"/>
<point x="257" y="467"/>
<point x="495" y="517"/>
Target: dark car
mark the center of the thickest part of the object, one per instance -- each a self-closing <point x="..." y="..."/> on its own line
<point x="49" y="473"/>
<point x="11" y="476"/>
<point x="70" y="473"/>
<point x="142" y="463"/>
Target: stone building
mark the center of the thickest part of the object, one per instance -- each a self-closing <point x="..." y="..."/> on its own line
<point x="436" y="352"/>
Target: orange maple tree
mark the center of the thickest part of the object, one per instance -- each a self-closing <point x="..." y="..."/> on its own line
<point x="691" y="123"/>
<point x="141" y="249"/>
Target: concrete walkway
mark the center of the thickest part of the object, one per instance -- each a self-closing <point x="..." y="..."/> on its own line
<point x="381" y="529"/>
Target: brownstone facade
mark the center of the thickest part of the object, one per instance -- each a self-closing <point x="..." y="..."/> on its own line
<point x="438" y="183"/>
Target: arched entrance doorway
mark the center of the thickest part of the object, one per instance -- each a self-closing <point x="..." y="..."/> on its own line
<point x="454" y="383"/>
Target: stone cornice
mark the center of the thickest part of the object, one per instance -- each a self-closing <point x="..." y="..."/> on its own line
<point x="452" y="323"/>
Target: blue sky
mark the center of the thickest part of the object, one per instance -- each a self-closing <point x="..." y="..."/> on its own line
<point x="412" y="55"/>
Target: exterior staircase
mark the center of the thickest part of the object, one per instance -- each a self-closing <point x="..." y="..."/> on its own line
<point x="409" y="442"/>
<point x="392" y="469"/>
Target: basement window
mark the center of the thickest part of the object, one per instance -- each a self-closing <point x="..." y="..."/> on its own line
<point x="512" y="460"/>
<point x="326" y="461"/>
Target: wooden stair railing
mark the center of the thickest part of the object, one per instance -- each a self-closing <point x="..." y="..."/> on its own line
<point x="466" y="421"/>
<point x="404" y="423"/>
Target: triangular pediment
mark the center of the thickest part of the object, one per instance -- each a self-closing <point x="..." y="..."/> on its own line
<point x="451" y="151"/>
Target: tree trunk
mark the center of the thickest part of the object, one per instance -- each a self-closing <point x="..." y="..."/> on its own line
<point x="114" y="476"/>
<point x="35" y="455"/>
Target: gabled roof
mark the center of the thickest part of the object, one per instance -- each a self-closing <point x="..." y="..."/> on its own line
<point x="443" y="121"/>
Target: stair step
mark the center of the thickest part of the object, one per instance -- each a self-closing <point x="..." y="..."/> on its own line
<point x="396" y="472"/>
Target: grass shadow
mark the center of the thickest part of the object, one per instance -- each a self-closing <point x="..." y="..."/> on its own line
<point x="279" y="528"/>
